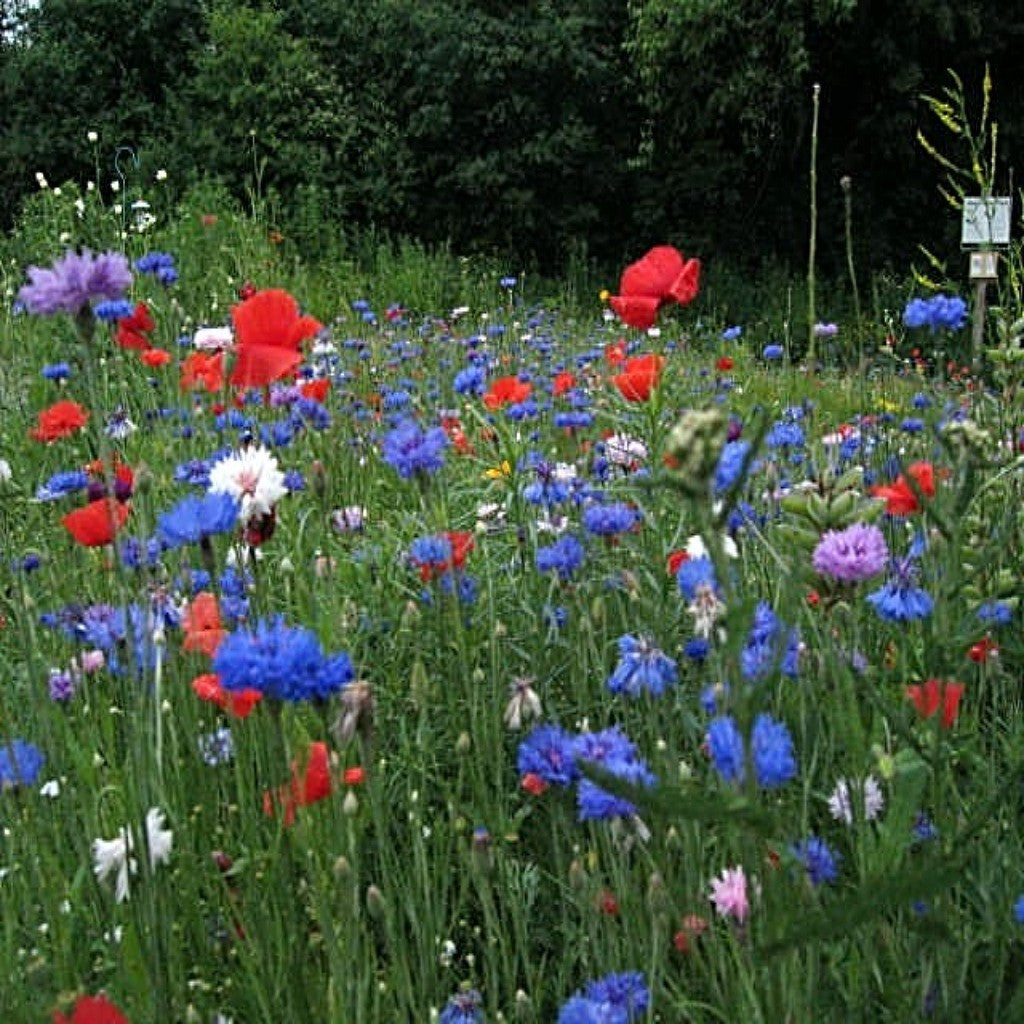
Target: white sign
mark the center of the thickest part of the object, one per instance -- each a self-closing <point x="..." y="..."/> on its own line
<point x="986" y="221"/>
<point x="984" y="266"/>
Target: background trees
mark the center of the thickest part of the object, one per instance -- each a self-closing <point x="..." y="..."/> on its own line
<point x="529" y="127"/>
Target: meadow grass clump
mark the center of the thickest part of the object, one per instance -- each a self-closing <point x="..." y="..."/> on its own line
<point x="483" y="662"/>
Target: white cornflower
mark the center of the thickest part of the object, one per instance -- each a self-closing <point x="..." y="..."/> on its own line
<point x="158" y="838"/>
<point x="523" y="704"/>
<point x="253" y="478"/>
<point x="623" y="450"/>
<point x="840" y="804"/>
<point x="212" y="339"/>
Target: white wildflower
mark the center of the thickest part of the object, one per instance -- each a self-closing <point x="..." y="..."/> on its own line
<point x="252" y="477"/>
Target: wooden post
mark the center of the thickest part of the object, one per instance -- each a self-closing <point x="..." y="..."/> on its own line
<point x="978" y="327"/>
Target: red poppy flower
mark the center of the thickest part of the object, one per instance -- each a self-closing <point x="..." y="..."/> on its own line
<point x="563" y="382"/>
<point x="725" y="364"/>
<point x="204" y="370"/>
<point x="661" y="276"/>
<point x="355" y="776"/>
<point x="932" y="695"/>
<point x="155" y="357"/>
<point x="92" y="1010"/>
<point x="238" y="702"/>
<point x="900" y="500"/>
<point x="693" y="927"/>
<point x="316" y="784"/>
<point x="452" y="426"/>
<point x="201" y="625"/>
<point x="60" y="420"/>
<point x="132" y="331"/>
<point x="95" y="524"/>
<point x="268" y="333"/>
<point x="640" y="375"/>
<point x="607" y="903"/>
<point x="316" y="389"/>
<point x="507" y="391"/>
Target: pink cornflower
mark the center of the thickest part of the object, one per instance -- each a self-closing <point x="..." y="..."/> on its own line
<point x="729" y="894"/>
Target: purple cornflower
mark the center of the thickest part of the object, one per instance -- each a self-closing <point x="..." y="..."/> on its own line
<point x="74" y="281"/>
<point x="62" y="685"/>
<point x="412" y="450"/>
<point x="819" y="860"/>
<point x="851" y="555"/>
<point x="283" y="662"/>
<point x="642" y="667"/>
<point x="565" y="556"/>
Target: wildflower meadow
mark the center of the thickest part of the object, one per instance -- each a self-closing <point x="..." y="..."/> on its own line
<point x="420" y="643"/>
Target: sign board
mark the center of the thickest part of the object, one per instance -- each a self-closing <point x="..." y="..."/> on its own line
<point x="984" y="266"/>
<point x="986" y="221"/>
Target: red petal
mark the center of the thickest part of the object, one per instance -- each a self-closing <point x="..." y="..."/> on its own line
<point x="317" y="783"/>
<point x="96" y="1010"/>
<point x="686" y="285"/>
<point x="256" y="366"/>
<point x="654" y="274"/>
<point x="636" y="311"/>
<point x="95" y="524"/>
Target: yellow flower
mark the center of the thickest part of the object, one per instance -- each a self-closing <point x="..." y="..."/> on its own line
<point x="604" y="294"/>
<point x="498" y="472"/>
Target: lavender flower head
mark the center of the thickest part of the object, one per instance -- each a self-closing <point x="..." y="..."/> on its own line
<point x="851" y="555"/>
<point x="75" y="281"/>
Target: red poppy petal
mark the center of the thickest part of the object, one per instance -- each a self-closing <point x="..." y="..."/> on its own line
<point x="256" y="366"/>
<point x="95" y="524"/>
<point x="317" y="783"/>
<point x="267" y="318"/>
<point x="654" y="274"/>
<point x="686" y="285"/>
<point x="636" y="311"/>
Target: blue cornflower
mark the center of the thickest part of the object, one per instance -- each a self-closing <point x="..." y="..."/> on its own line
<point x="923" y="829"/>
<point x="470" y="381"/>
<point x="548" y="752"/>
<point x="614" y="752"/>
<point x="430" y="552"/>
<point x="694" y="574"/>
<point x="725" y="745"/>
<point x="1018" y="909"/>
<point x="412" y="450"/>
<point x="63" y="483"/>
<point x="771" y="748"/>
<point x="767" y="643"/>
<point x="773" y="352"/>
<point x="997" y="613"/>
<point x="573" y="420"/>
<point x="730" y="462"/>
<point x="731" y="333"/>
<point x="614" y="999"/>
<point x="940" y="312"/>
<point x="610" y="520"/>
<point x="56" y="371"/>
<point x="159" y="264"/>
<point x="283" y="662"/>
<point x="819" y="860"/>
<point x="697" y="648"/>
<point x="899" y="599"/>
<point x="785" y="434"/>
<point x="642" y="667"/>
<point x="463" y="1008"/>
<point x="197" y="517"/>
<point x="912" y="425"/>
<point x="20" y="763"/>
<point x="547" y="489"/>
<point x="113" y="310"/>
<point x="565" y="556"/>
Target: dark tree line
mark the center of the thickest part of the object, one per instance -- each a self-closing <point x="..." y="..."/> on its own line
<point x="527" y="127"/>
